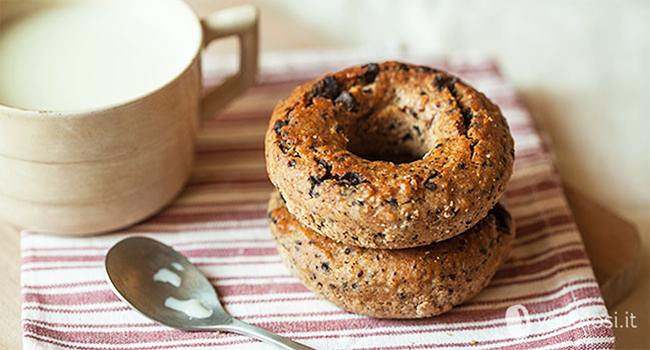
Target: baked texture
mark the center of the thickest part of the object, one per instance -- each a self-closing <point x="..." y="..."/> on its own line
<point x="388" y="155"/>
<point x="395" y="283"/>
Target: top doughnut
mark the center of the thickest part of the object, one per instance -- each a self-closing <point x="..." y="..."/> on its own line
<point x="388" y="155"/>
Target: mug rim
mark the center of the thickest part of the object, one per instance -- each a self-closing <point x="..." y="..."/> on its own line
<point x="81" y="112"/>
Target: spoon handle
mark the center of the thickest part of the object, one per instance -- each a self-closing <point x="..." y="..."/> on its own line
<point x="239" y="327"/>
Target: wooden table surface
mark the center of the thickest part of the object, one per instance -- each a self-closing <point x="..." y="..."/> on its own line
<point x="278" y="33"/>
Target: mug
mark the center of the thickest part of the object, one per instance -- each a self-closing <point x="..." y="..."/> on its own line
<point x="98" y="168"/>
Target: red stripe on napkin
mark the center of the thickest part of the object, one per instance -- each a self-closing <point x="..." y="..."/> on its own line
<point x="219" y="223"/>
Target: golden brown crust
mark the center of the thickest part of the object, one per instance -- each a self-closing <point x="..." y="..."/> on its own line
<point x="334" y="146"/>
<point x="405" y="283"/>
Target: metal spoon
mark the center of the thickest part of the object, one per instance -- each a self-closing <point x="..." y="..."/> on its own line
<point x="130" y="266"/>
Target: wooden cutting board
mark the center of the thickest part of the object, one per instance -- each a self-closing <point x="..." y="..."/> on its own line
<point x="612" y="243"/>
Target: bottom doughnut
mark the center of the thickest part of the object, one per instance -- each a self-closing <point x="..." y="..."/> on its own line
<point x="402" y="283"/>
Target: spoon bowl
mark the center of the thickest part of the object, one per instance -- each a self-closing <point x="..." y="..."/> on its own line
<point x="179" y="295"/>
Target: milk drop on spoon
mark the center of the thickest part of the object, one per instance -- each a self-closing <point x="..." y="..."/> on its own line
<point x="191" y="307"/>
<point x="167" y="276"/>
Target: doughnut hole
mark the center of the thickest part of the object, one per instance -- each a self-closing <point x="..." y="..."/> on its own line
<point x="389" y="134"/>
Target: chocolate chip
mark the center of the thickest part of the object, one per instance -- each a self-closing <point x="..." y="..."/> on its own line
<point x="407" y="137"/>
<point x="441" y="82"/>
<point x="347" y="100"/>
<point x="351" y="178"/>
<point x="278" y="125"/>
<point x="325" y="267"/>
<point x="461" y="165"/>
<point x="412" y="113"/>
<point x="402" y="296"/>
<point x="468" y="116"/>
<point x="404" y="67"/>
<point x="502" y="220"/>
<point x="393" y="202"/>
<point x="327" y="87"/>
<point x="360" y="274"/>
<point x="315" y="180"/>
<point x="347" y="251"/>
<point x="372" y="69"/>
<point x="425" y="69"/>
<point x="325" y="165"/>
<point x="451" y="85"/>
<point x="429" y="184"/>
<point x="483" y="251"/>
<point x="332" y="286"/>
<point x="291" y="163"/>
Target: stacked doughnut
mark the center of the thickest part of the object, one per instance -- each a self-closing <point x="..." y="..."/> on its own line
<point x="388" y="178"/>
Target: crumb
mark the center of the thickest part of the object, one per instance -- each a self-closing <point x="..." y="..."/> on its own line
<point x="473" y="342"/>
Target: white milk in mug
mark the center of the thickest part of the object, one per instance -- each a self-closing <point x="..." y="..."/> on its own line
<point x="101" y="102"/>
<point x="88" y="54"/>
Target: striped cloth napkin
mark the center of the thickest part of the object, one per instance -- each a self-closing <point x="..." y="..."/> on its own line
<point x="547" y="287"/>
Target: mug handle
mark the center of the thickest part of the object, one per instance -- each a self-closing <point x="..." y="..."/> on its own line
<point x="243" y="22"/>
